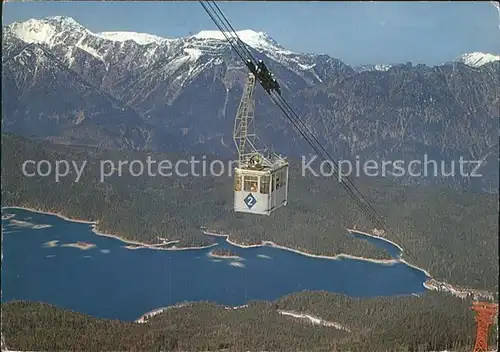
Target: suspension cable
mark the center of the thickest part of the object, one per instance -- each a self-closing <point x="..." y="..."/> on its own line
<point x="225" y="27"/>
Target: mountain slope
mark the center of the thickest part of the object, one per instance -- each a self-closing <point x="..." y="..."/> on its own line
<point x="46" y="99"/>
<point x="435" y="321"/>
<point x="186" y="92"/>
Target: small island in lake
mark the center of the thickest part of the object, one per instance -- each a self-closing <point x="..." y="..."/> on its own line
<point x="223" y="253"/>
<point x="28" y="224"/>
<point x="79" y="244"/>
<point x="50" y="244"/>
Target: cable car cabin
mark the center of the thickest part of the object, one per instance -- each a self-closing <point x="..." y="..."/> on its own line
<point x="261" y="189"/>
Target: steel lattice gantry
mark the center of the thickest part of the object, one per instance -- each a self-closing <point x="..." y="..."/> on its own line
<point x="260" y="182"/>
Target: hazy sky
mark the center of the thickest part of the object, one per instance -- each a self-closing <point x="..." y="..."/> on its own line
<point x="355" y="32"/>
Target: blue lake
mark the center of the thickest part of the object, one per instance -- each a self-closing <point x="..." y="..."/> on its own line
<point x="112" y="281"/>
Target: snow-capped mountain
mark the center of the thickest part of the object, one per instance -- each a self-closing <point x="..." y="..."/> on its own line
<point x="152" y="74"/>
<point x="136" y="90"/>
<point x="477" y="59"/>
<point x="138" y="38"/>
<point x="68" y="37"/>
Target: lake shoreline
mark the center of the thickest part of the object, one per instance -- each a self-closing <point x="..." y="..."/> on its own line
<point x="401" y="250"/>
<point x="298" y="315"/>
<point x="274" y="245"/>
<point x="140" y="245"/>
<point x="376" y="237"/>
<point x="144" y="317"/>
<point x="430" y="284"/>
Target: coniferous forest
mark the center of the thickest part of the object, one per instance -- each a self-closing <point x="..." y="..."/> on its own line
<point x="433" y="322"/>
<point x="454" y="236"/>
<point x="433" y="223"/>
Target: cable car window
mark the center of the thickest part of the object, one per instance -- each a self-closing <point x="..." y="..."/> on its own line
<point x="278" y="180"/>
<point x="273" y="183"/>
<point x="237" y="183"/>
<point x="250" y="183"/>
<point x="264" y="184"/>
<point x="283" y="175"/>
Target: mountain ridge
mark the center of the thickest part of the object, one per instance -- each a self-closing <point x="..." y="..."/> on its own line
<point x="401" y="111"/>
<point x="255" y="39"/>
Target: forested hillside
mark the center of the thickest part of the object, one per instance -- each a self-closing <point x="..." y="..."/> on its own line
<point x="452" y="235"/>
<point x="434" y="322"/>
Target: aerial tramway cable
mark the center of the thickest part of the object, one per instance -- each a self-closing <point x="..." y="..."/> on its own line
<point x="366" y="205"/>
<point x="244" y="53"/>
<point x="285" y="107"/>
<point x="280" y="102"/>
<point x="278" y="99"/>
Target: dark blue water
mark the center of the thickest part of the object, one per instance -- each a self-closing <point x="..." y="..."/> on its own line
<point x="114" y="282"/>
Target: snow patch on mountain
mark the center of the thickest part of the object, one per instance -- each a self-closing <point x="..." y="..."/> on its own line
<point x="139" y="38"/>
<point x="257" y="40"/>
<point x="248" y="36"/>
<point x="65" y="31"/>
<point x="477" y="59"/>
<point x="44" y="31"/>
<point x="193" y="53"/>
<point x="33" y="31"/>
<point x="379" y="67"/>
<point x="89" y="50"/>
